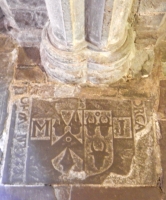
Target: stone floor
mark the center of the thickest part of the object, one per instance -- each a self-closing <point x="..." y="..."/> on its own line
<point x="70" y="142"/>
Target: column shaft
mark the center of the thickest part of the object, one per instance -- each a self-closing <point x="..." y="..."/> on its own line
<point x="66" y="23"/>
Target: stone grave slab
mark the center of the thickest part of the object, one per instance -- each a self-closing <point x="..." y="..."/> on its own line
<point x="71" y="141"/>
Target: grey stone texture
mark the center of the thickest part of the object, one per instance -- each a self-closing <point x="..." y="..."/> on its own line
<point x="30" y="16"/>
<point x="85" y="193"/>
<point x="69" y="141"/>
<point x="26" y="193"/>
<point x="28" y="56"/>
<point x="26" y="19"/>
<point x="8" y="55"/>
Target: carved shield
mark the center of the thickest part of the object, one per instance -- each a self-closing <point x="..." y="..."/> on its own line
<point x="87" y="141"/>
<point x="82" y="139"/>
<point x="98" y="141"/>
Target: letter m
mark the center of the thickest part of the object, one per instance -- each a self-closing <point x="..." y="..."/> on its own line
<point x="40" y="129"/>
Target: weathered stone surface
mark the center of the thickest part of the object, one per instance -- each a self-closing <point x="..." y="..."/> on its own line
<point x="152" y="6"/>
<point x="2" y="27"/>
<point x="29" y="74"/>
<point x="18" y="90"/>
<point x="63" y="192"/>
<point x="58" y="91"/>
<point x="1" y="14"/>
<point x="162" y="103"/>
<point x="143" y="62"/>
<point x="83" y="193"/>
<point x="26" y="193"/>
<point x="75" y="193"/>
<point x="149" y="21"/>
<point x="101" y="28"/>
<point x="28" y="56"/>
<point x="30" y="37"/>
<point x="7" y="45"/>
<point x="44" y="91"/>
<point x="147" y="27"/>
<point x="103" y="57"/>
<point x="163" y="157"/>
<point x="8" y="55"/>
<point x="66" y="23"/>
<point x="7" y="58"/>
<point x="30" y="16"/>
<point x="70" y="141"/>
<point x="40" y="4"/>
<point x="99" y="33"/>
<point x="27" y="19"/>
<point x="3" y="108"/>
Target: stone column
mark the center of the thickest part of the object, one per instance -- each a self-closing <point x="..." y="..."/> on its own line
<point x="66" y="28"/>
<point x="104" y="24"/>
<point x="111" y="40"/>
<point x="107" y="23"/>
<point x="63" y="40"/>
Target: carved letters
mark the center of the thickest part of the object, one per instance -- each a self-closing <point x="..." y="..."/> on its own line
<point x="139" y="115"/>
<point x="17" y="151"/>
<point x="122" y="127"/>
<point x="73" y="139"/>
<point x="40" y="129"/>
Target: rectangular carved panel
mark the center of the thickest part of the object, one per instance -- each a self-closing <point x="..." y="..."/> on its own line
<point x="85" y="141"/>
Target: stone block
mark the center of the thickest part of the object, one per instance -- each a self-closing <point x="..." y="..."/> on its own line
<point x="97" y="193"/>
<point x="150" y="6"/>
<point x="81" y="141"/>
<point x="26" y="4"/>
<point x="143" y="62"/>
<point x="7" y="59"/>
<point x="163" y="155"/>
<point x="7" y="45"/>
<point x="149" y="21"/>
<point x="162" y="101"/>
<point x="23" y="18"/>
<point x="42" y="90"/>
<point x="40" y="19"/>
<point x="24" y="193"/>
<point x="29" y="37"/>
<point x="19" y="90"/>
<point x="28" y="56"/>
<point x="2" y="27"/>
<point x="29" y="74"/>
<point x="163" y="65"/>
<point x="30" y="18"/>
<point x="3" y="108"/>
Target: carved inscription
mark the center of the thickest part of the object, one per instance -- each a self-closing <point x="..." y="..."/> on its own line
<point x="139" y="115"/>
<point x="80" y="134"/>
<point x="23" y="112"/>
<point x="40" y="129"/>
<point x="72" y="140"/>
<point x="122" y="127"/>
<point x="17" y="152"/>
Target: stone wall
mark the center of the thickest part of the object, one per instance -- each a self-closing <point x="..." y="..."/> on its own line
<point x="33" y="15"/>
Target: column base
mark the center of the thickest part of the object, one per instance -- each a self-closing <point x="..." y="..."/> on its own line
<point x="106" y="67"/>
<point x="63" y="66"/>
<point x="86" y="66"/>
